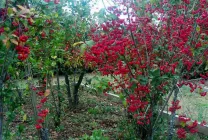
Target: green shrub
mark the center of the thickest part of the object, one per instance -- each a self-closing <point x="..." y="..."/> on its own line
<point x="96" y="135"/>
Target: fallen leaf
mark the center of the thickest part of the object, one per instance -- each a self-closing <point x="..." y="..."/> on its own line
<point x="21" y="7"/>
<point x="77" y="43"/>
<point x="14" y="41"/>
<point x="24" y="117"/>
<point x="47" y="92"/>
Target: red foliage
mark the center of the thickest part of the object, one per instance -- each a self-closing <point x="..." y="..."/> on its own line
<point x="56" y="1"/>
<point x="203" y="123"/>
<point x="139" y="53"/>
<point x="203" y="93"/>
<point x="38" y="126"/>
<point x="14" y="23"/>
<point x="22" y="52"/>
<point x="40" y="93"/>
<point x="29" y="20"/>
<point x="43" y="113"/>
<point x="40" y="121"/>
<point x="175" y="106"/>
<point x="43" y="100"/>
<point x="183" y="118"/>
<point x="1" y="30"/>
<point x="23" y="38"/>
<point x="43" y="34"/>
<point x="181" y="133"/>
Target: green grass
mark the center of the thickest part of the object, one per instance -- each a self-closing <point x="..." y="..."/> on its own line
<point x="193" y="104"/>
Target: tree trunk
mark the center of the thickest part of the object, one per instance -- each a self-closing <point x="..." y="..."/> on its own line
<point x="44" y="134"/>
<point x="1" y="110"/>
<point x="76" y="89"/>
<point x="20" y="95"/>
<point x="67" y="82"/>
<point x="172" y="119"/>
<point x="58" y="115"/>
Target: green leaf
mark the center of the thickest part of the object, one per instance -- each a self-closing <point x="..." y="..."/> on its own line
<point x="56" y="15"/>
<point x="10" y="11"/>
<point x="206" y="68"/>
<point x="90" y="43"/>
<point x="164" y="77"/>
<point x="198" y="29"/>
<point x="2" y="3"/>
<point x="124" y="103"/>
<point x="21" y="128"/>
<point x="83" y="48"/>
<point x="53" y="64"/>
<point x="154" y="73"/>
<point x="1" y="60"/>
<point x="6" y="29"/>
<point x="143" y="80"/>
<point x="2" y="37"/>
<point x="183" y="124"/>
<point x="152" y="1"/>
<point x="24" y="117"/>
<point x="54" y="57"/>
<point x="121" y="96"/>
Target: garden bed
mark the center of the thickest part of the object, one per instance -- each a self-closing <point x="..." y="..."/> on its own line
<point x="95" y="112"/>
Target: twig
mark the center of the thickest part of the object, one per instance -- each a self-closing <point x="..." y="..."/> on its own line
<point x="169" y="95"/>
<point x="172" y="121"/>
<point x="193" y="6"/>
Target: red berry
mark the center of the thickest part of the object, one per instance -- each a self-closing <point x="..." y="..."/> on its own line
<point x="15" y="23"/>
<point x="38" y="126"/>
<point x="43" y="34"/>
<point x="26" y="29"/>
<point x="56" y="1"/>
<point x="1" y="30"/>
<point x="23" y="38"/>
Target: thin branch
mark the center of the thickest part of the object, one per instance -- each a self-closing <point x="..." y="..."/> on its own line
<point x="193" y="6"/>
<point x="172" y="121"/>
<point x="168" y="98"/>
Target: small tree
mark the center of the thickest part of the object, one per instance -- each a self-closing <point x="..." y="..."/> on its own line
<point x="151" y="49"/>
<point x="77" y="26"/>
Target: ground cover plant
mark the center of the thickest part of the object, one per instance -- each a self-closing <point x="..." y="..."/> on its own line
<point x="145" y="54"/>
